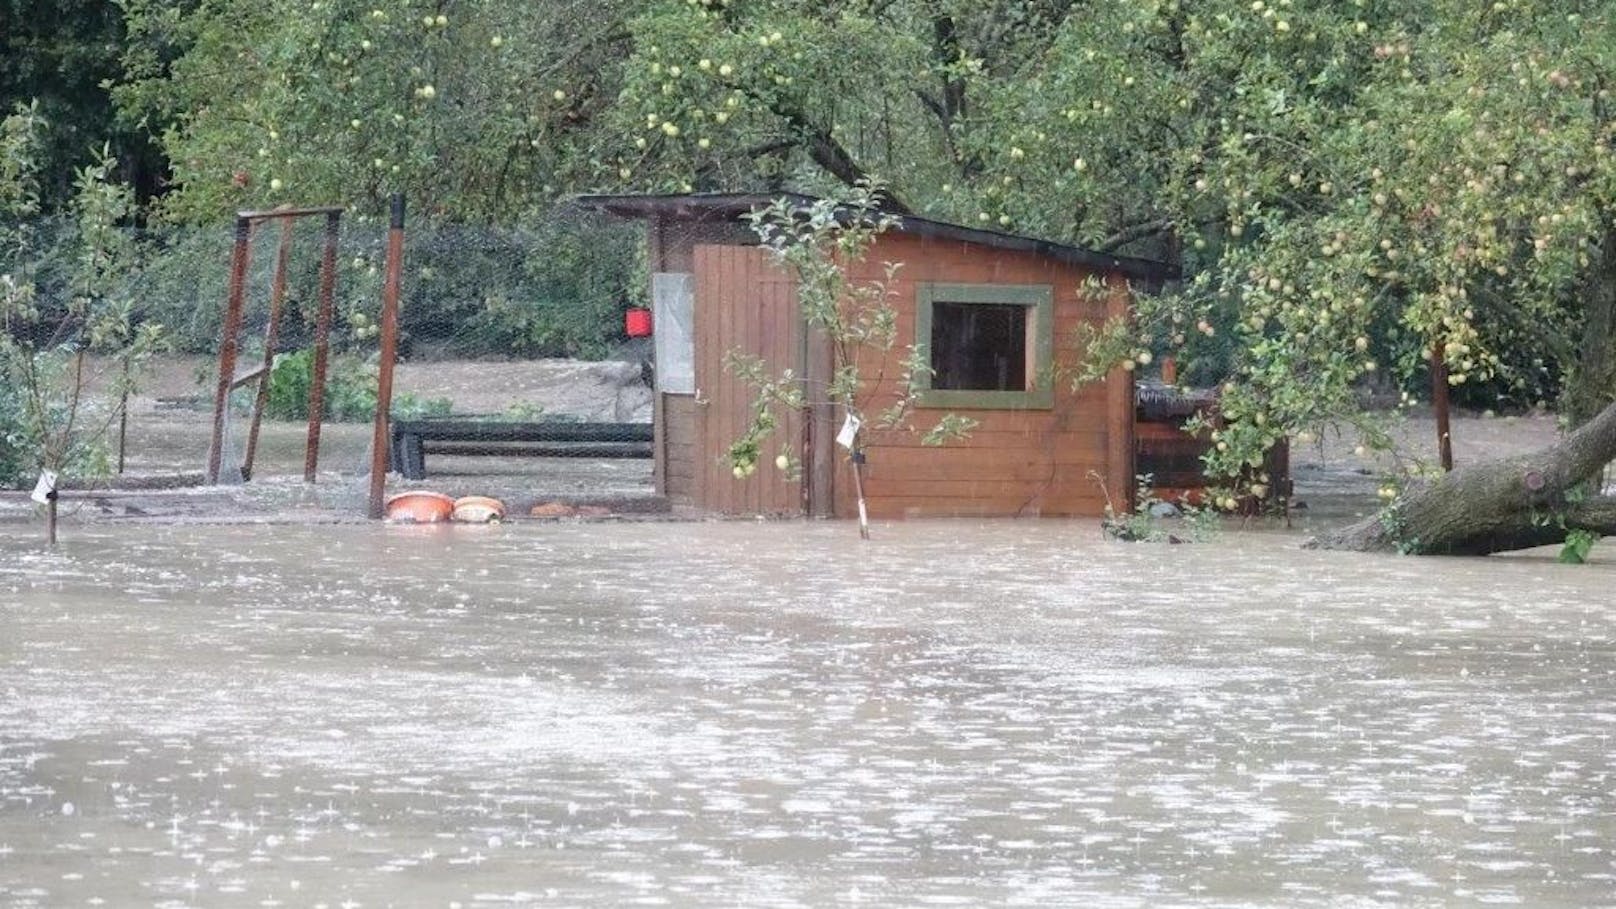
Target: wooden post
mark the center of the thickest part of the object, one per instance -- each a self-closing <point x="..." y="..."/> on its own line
<point x="277" y="294"/>
<point x="1439" y="404"/>
<point x="805" y="413"/>
<point x="381" y="434"/>
<point x="856" y="461"/>
<point x="659" y="409"/>
<point x="322" y="346"/>
<point x="1120" y="404"/>
<point x="227" y="344"/>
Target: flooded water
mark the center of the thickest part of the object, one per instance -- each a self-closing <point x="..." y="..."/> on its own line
<point x="775" y="715"/>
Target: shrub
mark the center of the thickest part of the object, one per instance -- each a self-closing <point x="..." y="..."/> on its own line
<point x="15" y="441"/>
<point x="350" y="388"/>
<point x="350" y="391"/>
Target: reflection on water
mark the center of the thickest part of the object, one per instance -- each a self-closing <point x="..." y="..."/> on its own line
<point x="775" y="715"/>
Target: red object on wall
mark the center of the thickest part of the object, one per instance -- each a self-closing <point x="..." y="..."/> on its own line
<point x="637" y="323"/>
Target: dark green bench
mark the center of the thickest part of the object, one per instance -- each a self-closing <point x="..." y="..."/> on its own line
<point x="412" y="439"/>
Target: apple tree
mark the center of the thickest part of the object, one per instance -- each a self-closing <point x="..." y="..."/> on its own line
<point x="1351" y="190"/>
<point x="475" y="108"/>
<point x="60" y="404"/>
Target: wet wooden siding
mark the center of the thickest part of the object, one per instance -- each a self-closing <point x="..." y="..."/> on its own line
<point x="1026" y="462"/>
<point x="677" y="451"/>
<point x="743" y="304"/>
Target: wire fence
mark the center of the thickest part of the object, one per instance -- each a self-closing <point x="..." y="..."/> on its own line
<point x="514" y="371"/>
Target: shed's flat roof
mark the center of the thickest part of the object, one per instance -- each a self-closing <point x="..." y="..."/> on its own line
<point x="730" y="206"/>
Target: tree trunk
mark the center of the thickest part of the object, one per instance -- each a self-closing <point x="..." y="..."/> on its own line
<point x="1497" y="506"/>
<point x="1594" y="381"/>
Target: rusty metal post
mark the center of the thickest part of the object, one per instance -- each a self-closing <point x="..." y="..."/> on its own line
<point x="381" y="435"/>
<point x="277" y="294"/>
<point x="322" y="345"/>
<point x="1439" y="404"/>
<point x="227" y="344"/>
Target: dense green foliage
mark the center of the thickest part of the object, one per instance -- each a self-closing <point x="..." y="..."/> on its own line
<point x="455" y="103"/>
<point x="64" y="55"/>
<point x="57" y="411"/>
<point x="350" y="391"/>
<point x="557" y="288"/>
<point x="15" y="455"/>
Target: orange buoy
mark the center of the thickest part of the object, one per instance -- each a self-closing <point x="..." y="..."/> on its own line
<point x="478" y="510"/>
<point x="420" y="507"/>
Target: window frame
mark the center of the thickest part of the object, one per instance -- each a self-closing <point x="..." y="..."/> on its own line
<point x="1039" y="298"/>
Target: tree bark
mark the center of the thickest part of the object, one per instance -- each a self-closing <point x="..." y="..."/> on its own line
<point x="1498" y="506"/>
<point x="1595" y="379"/>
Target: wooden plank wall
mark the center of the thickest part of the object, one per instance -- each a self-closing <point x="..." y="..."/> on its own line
<point x="677" y="464"/>
<point x="671" y="248"/>
<point x="744" y="303"/>
<point x="1033" y="462"/>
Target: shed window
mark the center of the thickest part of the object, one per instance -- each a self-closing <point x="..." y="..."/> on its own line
<point x="988" y="345"/>
<point x="979" y="346"/>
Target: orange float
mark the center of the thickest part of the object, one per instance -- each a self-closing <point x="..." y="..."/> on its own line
<point x="478" y="510"/>
<point x="420" y="507"/>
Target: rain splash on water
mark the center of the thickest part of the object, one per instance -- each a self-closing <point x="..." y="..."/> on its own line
<point x="1001" y="713"/>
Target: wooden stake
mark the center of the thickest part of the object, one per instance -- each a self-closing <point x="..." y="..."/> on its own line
<point x="381" y="435"/>
<point x="858" y="491"/>
<point x="1121" y="399"/>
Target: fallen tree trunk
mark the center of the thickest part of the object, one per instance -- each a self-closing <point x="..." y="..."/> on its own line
<point x="1498" y="506"/>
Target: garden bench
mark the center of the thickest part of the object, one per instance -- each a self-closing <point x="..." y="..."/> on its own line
<point x="411" y="439"/>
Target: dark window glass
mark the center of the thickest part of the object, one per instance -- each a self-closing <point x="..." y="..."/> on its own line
<point x="979" y="346"/>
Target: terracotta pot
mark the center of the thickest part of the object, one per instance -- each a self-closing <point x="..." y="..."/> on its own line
<point x="478" y="510"/>
<point x="420" y="507"/>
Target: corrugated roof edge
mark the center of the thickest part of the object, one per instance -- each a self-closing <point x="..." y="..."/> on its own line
<point x="707" y="206"/>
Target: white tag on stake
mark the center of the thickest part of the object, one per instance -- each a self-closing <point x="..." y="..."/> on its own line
<point x="850" y="428"/>
<point x="45" y="486"/>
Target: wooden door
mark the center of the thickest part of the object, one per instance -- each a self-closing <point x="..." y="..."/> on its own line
<point x="745" y="305"/>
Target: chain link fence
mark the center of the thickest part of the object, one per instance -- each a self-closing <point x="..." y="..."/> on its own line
<point x="513" y="359"/>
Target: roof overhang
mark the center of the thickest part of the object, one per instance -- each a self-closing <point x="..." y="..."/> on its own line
<point x="733" y="206"/>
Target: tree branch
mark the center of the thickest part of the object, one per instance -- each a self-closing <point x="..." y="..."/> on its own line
<point x="828" y="153"/>
<point x="769" y="148"/>
<point x="1134" y="232"/>
<point x="1495" y="506"/>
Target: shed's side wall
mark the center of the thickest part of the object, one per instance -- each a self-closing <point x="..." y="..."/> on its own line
<point x="672" y="248"/>
<point x="1027" y="462"/>
<point x="678" y="449"/>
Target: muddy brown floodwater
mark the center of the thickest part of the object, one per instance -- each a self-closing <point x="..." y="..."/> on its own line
<point x="774" y="715"/>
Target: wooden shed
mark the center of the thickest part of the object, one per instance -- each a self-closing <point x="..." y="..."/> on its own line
<point x="997" y="314"/>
